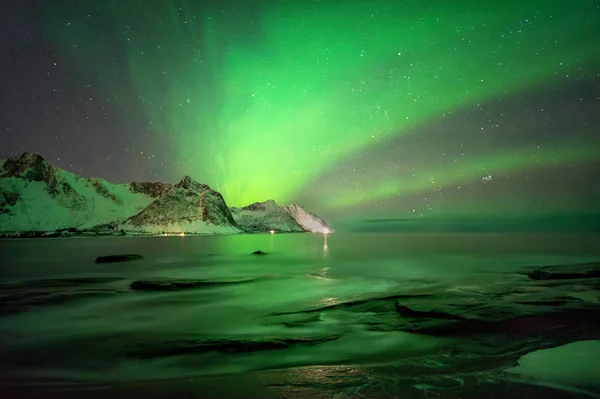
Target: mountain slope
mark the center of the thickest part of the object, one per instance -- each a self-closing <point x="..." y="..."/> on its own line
<point x="35" y="196"/>
<point x="189" y="207"/>
<point x="265" y="216"/>
<point x="307" y="220"/>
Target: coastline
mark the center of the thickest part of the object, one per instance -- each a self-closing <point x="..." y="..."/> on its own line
<point x="93" y="234"/>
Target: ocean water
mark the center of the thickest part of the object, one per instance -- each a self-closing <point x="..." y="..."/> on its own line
<point x="318" y="316"/>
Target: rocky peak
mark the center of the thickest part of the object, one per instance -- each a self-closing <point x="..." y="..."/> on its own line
<point x="183" y="207"/>
<point x="28" y="166"/>
<point x="261" y="206"/>
<point x="151" y="189"/>
<point x="190" y="184"/>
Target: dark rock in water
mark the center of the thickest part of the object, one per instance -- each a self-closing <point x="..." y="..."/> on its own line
<point x="177" y="285"/>
<point x="259" y="253"/>
<point x="299" y="319"/>
<point x="431" y="314"/>
<point x="559" y="301"/>
<point x="365" y="305"/>
<point x="22" y="296"/>
<point x="187" y="347"/>
<point x="556" y="323"/>
<point x="118" y="258"/>
<point x="567" y="272"/>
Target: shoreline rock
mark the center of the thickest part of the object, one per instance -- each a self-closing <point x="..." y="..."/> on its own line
<point x="118" y="258"/>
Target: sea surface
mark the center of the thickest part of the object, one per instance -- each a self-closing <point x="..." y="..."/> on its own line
<point x="328" y="316"/>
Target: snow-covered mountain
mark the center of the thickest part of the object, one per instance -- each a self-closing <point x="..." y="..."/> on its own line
<point x="188" y="207"/>
<point x="307" y="220"/>
<point x="35" y="196"/>
<point x="267" y="216"/>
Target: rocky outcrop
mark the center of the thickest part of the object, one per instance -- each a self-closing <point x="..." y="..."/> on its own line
<point x="151" y="189"/>
<point x="118" y="258"/>
<point x="28" y="166"/>
<point x="567" y="272"/>
<point x="33" y="168"/>
<point x="8" y="199"/>
<point x="178" y="285"/>
<point x="189" y="207"/>
<point x="102" y="190"/>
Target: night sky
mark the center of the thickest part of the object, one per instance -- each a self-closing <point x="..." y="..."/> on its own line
<point x="389" y="110"/>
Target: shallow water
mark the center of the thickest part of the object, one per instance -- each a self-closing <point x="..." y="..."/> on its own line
<point x="314" y="317"/>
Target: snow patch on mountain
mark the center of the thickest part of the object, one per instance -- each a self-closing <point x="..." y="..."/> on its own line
<point x="267" y="216"/>
<point x="307" y="220"/>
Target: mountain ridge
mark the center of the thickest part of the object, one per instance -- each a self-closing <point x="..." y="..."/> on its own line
<point x="267" y="216"/>
<point x="38" y="199"/>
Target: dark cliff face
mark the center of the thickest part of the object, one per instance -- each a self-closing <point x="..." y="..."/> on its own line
<point x="223" y="209"/>
<point x="151" y="189"/>
<point x="257" y="206"/>
<point x="187" y="183"/>
<point x="30" y="167"/>
<point x="7" y="201"/>
<point x="104" y="192"/>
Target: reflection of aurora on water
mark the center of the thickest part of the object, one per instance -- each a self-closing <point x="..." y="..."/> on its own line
<point x="345" y="103"/>
<point x="381" y="315"/>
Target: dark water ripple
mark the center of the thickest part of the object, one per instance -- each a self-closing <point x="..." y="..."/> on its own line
<point x="25" y="295"/>
<point x="485" y="330"/>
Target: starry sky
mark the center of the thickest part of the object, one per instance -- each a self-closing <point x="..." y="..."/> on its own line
<point x="370" y="113"/>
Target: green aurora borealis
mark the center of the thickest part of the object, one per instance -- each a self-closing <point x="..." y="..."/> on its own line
<point x="262" y="99"/>
<point x="471" y="169"/>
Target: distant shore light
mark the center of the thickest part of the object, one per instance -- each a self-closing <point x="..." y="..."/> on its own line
<point x="272" y="231"/>
<point x="326" y="231"/>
